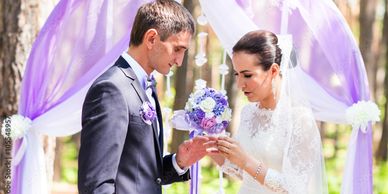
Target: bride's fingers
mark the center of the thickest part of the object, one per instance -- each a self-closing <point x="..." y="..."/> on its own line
<point x="228" y="139"/>
<point x="224" y="143"/>
<point x="210" y="143"/>
<point x="223" y="149"/>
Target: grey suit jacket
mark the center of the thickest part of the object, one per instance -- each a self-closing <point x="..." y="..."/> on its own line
<point x="119" y="152"/>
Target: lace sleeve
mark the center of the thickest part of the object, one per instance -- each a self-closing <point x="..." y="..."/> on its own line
<point x="232" y="169"/>
<point x="228" y="167"/>
<point x="302" y="160"/>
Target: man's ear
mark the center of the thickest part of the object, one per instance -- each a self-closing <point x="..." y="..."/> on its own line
<point x="150" y="38"/>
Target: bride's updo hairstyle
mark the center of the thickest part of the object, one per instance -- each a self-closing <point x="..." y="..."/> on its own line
<point x="263" y="44"/>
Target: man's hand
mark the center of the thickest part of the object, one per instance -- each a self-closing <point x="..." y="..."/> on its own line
<point x="194" y="149"/>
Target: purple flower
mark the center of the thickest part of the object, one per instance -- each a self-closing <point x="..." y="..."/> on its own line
<point x="147" y="112"/>
<point x="219" y="98"/>
<point x="225" y="124"/>
<point x="218" y="109"/>
<point x="196" y="116"/>
<point x="207" y="124"/>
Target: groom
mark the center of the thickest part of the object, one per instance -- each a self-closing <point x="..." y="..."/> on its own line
<point x="122" y="137"/>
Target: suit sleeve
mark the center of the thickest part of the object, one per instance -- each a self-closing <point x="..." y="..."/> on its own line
<point x="104" y="129"/>
<point x="169" y="173"/>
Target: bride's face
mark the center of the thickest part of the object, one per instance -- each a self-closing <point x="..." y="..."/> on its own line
<point x="251" y="78"/>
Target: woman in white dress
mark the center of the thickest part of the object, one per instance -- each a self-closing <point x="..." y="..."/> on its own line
<point x="277" y="148"/>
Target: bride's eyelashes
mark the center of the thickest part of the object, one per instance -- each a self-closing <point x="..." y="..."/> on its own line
<point x="245" y="75"/>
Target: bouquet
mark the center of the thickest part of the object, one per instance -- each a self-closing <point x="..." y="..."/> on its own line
<point x="207" y="110"/>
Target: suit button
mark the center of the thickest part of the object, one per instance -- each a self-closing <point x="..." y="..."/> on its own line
<point x="158" y="181"/>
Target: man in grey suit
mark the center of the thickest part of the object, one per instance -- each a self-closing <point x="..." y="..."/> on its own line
<point x="122" y="138"/>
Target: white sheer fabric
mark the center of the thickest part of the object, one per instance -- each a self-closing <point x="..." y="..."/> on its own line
<point x="230" y="23"/>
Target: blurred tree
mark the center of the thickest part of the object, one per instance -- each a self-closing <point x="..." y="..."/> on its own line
<point x="183" y="84"/>
<point x="207" y="69"/>
<point x="367" y="40"/>
<point x="347" y="10"/>
<point x="231" y="91"/>
<point x="19" y="25"/>
<point x="18" y="28"/>
<point x="382" y="151"/>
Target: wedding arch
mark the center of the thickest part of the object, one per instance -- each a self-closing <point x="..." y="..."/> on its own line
<point x="82" y="38"/>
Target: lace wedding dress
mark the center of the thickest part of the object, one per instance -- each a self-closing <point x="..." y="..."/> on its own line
<point x="293" y="156"/>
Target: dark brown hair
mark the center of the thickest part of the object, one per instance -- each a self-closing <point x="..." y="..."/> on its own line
<point x="263" y="44"/>
<point x="166" y="16"/>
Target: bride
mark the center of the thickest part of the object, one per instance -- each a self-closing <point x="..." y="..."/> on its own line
<point x="277" y="148"/>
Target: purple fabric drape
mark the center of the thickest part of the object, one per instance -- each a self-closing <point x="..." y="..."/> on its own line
<point x="80" y="39"/>
<point x="328" y="52"/>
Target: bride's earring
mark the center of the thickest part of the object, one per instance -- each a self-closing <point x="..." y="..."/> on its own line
<point x="273" y="88"/>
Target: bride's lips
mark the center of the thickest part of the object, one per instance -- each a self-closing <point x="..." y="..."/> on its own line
<point x="247" y="93"/>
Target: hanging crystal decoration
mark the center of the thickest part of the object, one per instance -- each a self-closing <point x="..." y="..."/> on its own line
<point x="168" y="92"/>
<point x="224" y="70"/>
<point x="202" y="20"/>
<point x="200" y="58"/>
<point x="200" y="84"/>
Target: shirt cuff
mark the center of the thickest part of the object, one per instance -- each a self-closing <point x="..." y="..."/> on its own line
<point x="176" y="166"/>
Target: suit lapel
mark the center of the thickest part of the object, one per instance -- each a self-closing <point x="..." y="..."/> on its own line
<point x="128" y="71"/>
<point x="160" y="119"/>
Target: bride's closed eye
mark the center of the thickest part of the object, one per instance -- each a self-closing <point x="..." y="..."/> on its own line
<point x="245" y="75"/>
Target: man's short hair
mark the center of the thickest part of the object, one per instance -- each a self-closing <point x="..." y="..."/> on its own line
<point x="166" y="16"/>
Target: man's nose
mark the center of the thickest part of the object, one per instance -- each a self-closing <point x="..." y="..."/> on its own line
<point x="179" y="60"/>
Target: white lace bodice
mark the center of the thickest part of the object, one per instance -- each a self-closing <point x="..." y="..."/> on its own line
<point x="266" y="141"/>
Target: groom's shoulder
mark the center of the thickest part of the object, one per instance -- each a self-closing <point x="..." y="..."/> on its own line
<point x="113" y="74"/>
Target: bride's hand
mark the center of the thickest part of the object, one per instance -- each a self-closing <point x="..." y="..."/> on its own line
<point x="232" y="151"/>
<point x="217" y="157"/>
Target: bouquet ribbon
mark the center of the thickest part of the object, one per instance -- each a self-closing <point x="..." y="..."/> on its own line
<point x="179" y="122"/>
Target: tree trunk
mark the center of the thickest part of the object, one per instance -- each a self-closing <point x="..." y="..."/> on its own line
<point x="231" y="92"/>
<point x="382" y="151"/>
<point x="19" y="24"/>
<point x="347" y="11"/>
<point x="184" y="80"/>
<point x="18" y="28"/>
<point x="368" y="46"/>
<point x="182" y="93"/>
<point x="57" y="160"/>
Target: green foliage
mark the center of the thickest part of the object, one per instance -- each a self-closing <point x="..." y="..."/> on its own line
<point x="380" y="175"/>
<point x="69" y="161"/>
<point x="209" y="182"/>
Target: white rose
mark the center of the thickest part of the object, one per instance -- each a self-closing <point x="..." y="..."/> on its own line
<point x="190" y="104"/>
<point x="207" y="105"/>
<point x="200" y="84"/>
<point x="18" y="127"/>
<point x="361" y="113"/>
<point x="227" y="114"/>
<point x="219" y="120"/>
<point x="209" y="115"/>
<point x="198" y="94"/>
